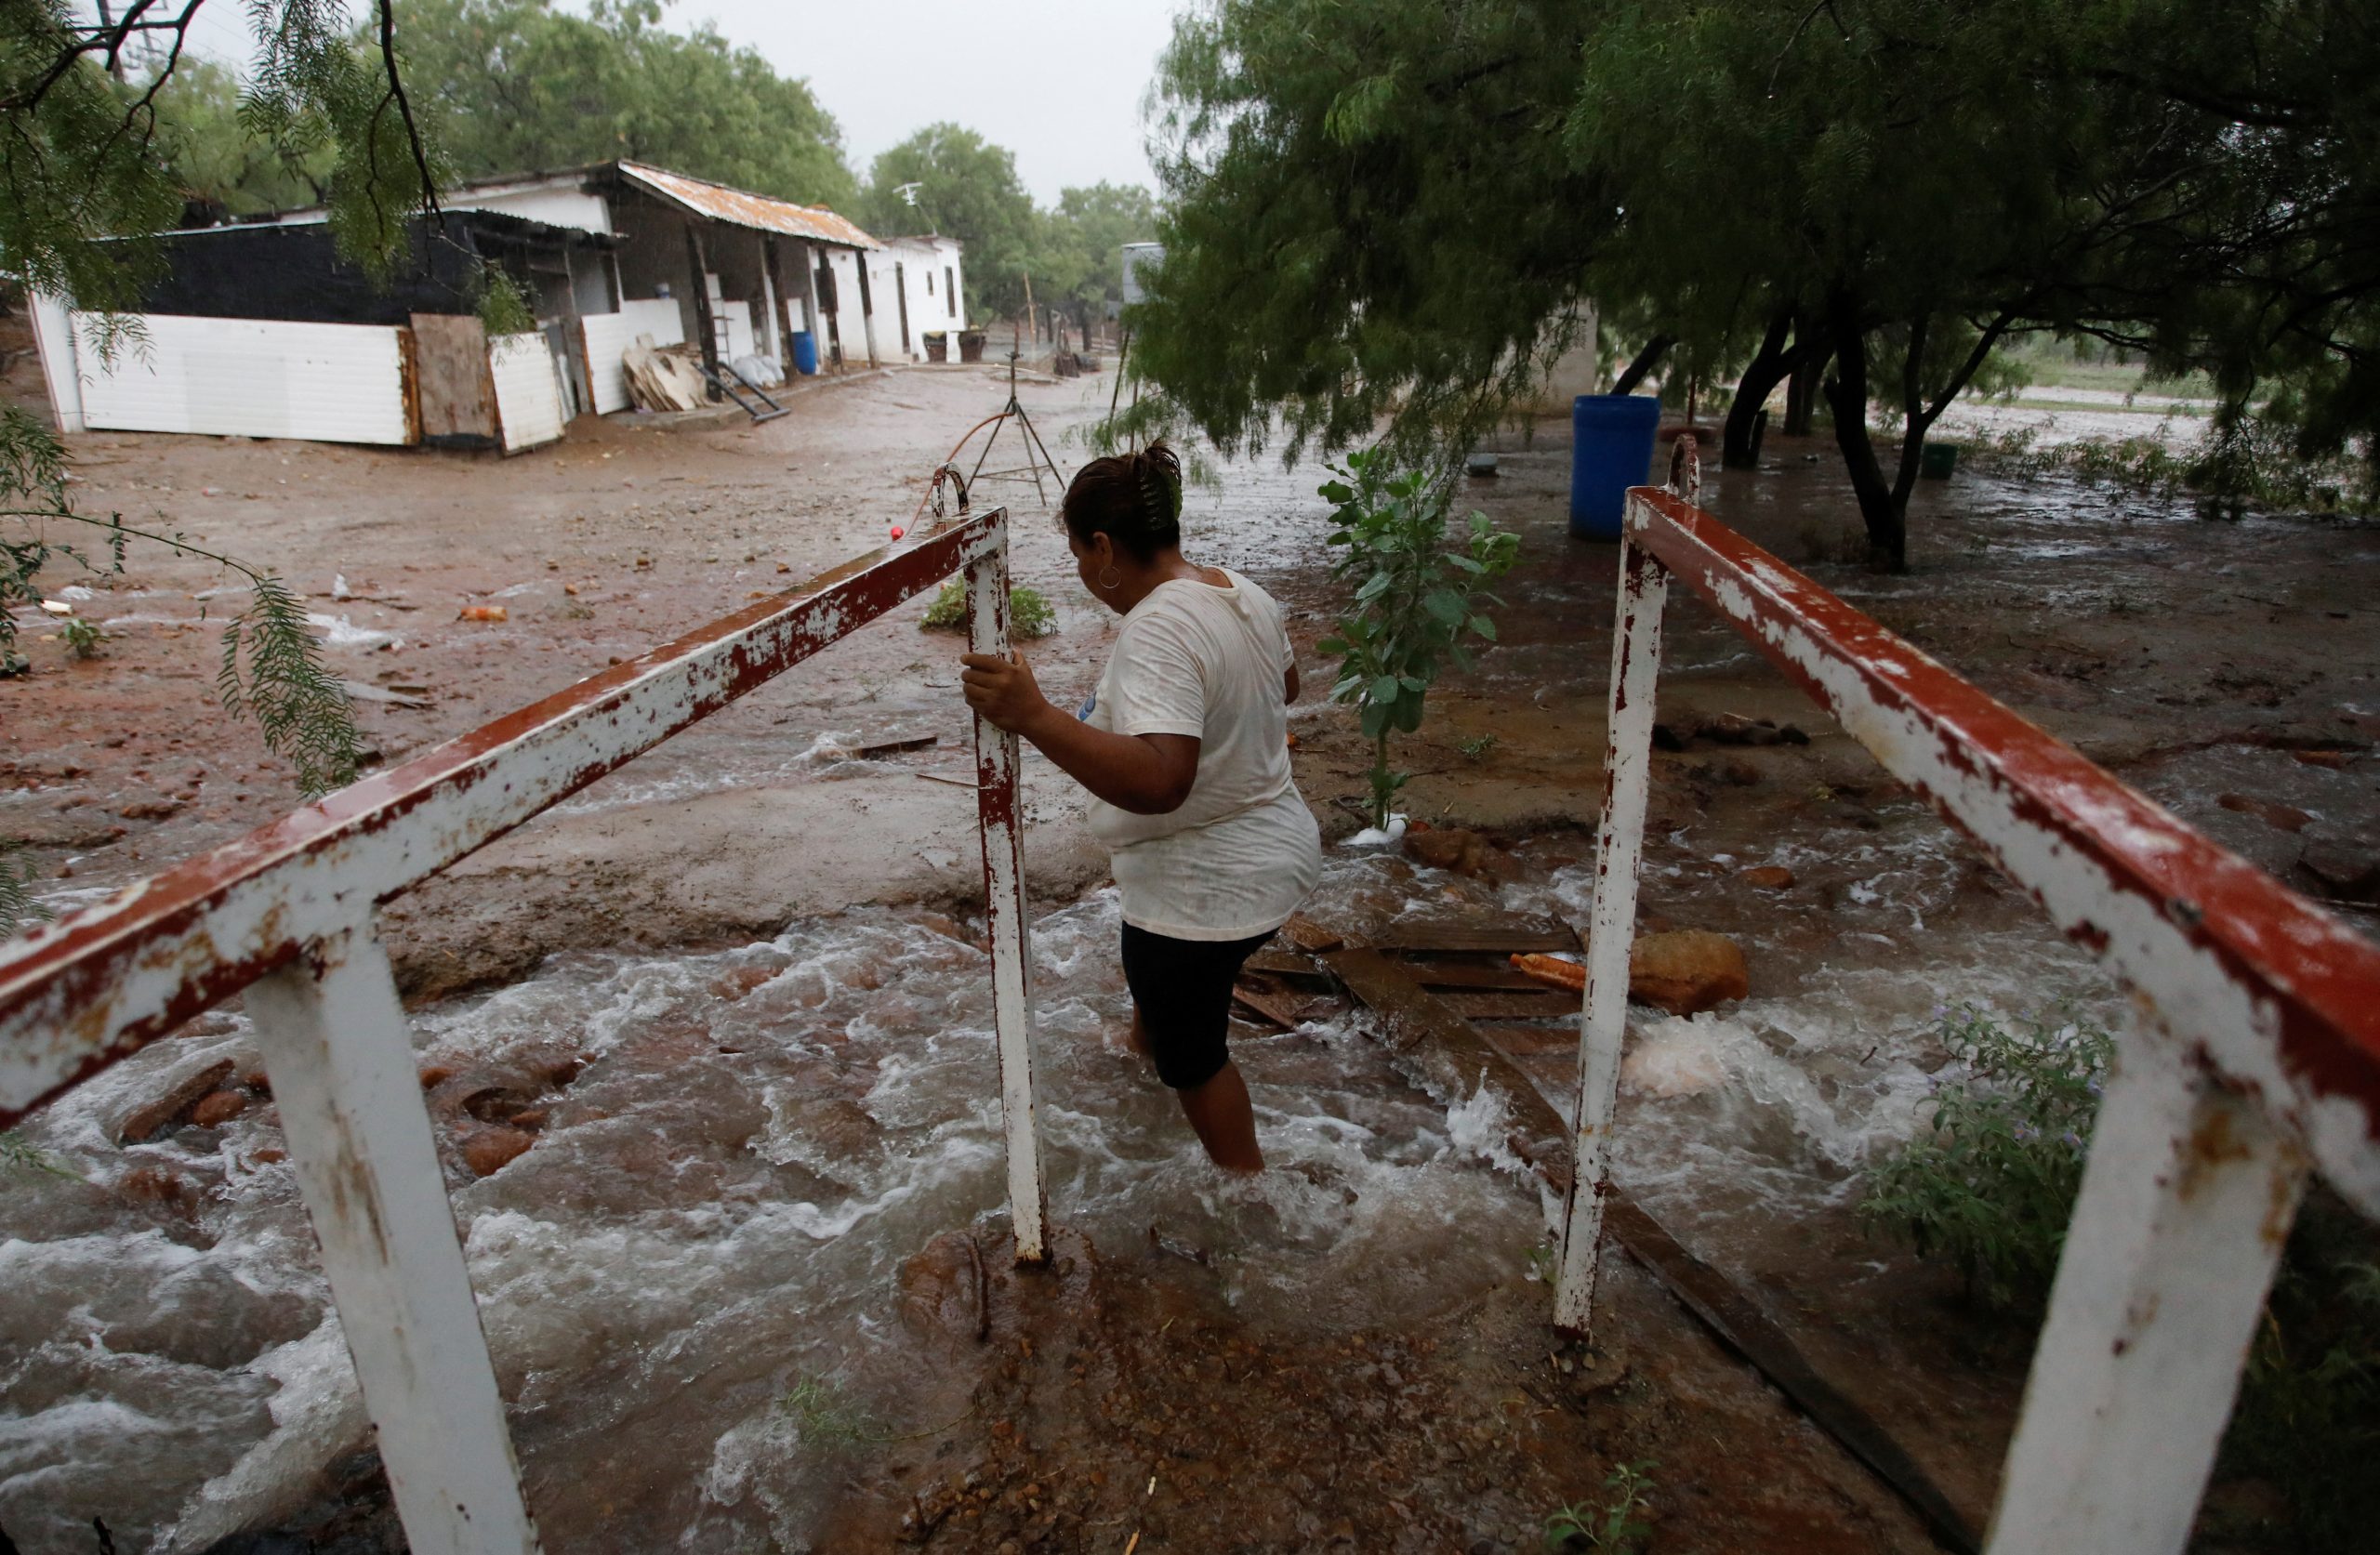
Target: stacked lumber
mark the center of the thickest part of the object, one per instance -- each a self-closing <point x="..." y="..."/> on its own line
<point x="663" y="377"/>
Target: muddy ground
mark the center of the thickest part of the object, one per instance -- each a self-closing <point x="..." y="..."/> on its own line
<point x="1118" y="1393"/>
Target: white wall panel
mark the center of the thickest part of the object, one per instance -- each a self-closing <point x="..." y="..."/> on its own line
<point x="528" y="394"/>
<point x="249" y="377"/>
<point x="610" y="334"/>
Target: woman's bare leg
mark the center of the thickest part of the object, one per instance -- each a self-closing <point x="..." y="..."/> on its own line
<point x="1219" y="1111"/>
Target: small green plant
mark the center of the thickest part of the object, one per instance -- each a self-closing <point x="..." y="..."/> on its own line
<point x="1029" y="611"/>
<point x="1617" y="1526"/>
<point x="83" y="638"/>
<point x="1990" y="1183"/>
<point x="17" y="1157"/>
<point x="824" y="1414"/>
<point x="1544" y="1262"/>
<point x="827" y="1417"/>
<point x="1416" y="600"/>
<point x="1476" y="747"/>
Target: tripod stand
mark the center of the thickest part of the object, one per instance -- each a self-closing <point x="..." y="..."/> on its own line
<point x="1032" y="444"/>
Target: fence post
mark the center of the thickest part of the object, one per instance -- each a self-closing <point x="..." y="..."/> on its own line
<point x="341" y="1061"/>
<point x="997" y="824"/>
<point x="2186" y="1202"/>
<point x="1603" y="1022"/>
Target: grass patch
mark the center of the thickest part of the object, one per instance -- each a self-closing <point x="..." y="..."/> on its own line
<point x="2232" y="469"/>
<point x="1989" y="1187"/>
<point x="19" y="1158"/>
<point x="1029" y="611"/>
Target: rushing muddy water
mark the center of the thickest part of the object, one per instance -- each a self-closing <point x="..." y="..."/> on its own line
<point x="737" y="1150"/>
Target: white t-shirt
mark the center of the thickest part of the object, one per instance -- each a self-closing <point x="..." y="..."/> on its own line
<point x="1243" y="851"/>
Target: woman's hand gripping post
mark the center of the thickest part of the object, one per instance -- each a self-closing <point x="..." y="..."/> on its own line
<point x="1147" y="774"/>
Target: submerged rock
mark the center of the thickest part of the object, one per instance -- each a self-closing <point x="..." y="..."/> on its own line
<point x="2288" y="818"/>
<point x="1687" y="971"/>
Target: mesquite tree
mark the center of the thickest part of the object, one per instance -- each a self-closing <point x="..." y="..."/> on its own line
<point x="1893" y="186"/>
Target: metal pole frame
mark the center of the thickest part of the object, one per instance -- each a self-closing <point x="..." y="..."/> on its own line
<point x="287" y="914"/>
<point x="2254" y="1057"/>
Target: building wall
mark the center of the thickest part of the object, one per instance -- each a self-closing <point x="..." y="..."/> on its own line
<point x="250" y="377"/>
<point x="567" y="206"/>
<point x="849" y="317"/>
<point x="608" y="337"/>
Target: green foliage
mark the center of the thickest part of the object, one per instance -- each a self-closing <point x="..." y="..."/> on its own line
<point x="1029" y="611"/>
<point x="1616" y="1524"/>
<point x="516" y="85"/>
<point x="18" y="1157"/>
<point x="503" y="303"/>
<point x="1990" y="1183"/>
<point x="968" y="189"/>
<point x="1476" y="747"/>
<point x="217" y="159"/>
<point x="16" y="904"/>
<point x="82" y="637"/>
<point x="272" y="668"/>
<point x="1415" y="599"/>
<point x="1082" y="245"/>
<point x="271" y="665"/>
<point x="825" y="1415"/>
<point x="1899" y="184"/>
<point x="2243" y="462"/>
<point x="2309" y="1415"/>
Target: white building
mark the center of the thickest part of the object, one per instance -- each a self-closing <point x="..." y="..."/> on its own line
<point x="920" y="289"/>
<point x="259" y="329"/>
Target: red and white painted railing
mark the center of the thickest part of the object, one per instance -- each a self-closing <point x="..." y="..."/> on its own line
<point x="2254" y="1052"/>
<point x="286" y="914"/>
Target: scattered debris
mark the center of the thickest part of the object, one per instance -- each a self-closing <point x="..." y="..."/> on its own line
<point x="482" y="613"/>
<point x="2336" y="760"/>
<point x="2288" y="818"/>
<point x="490" y="1150"/>
<point x="144" y="1121"/>
<point x="888" y="747"/>
<point x="1769" y="876"/>
<point x="1553" y="971"/>
<point x="358" y="691"/>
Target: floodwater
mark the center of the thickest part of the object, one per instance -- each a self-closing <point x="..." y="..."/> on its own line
<point x="739" y="1148"/>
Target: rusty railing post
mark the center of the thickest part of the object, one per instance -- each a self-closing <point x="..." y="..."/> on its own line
<point x="1603" y="1020"/>
<point x="2186" y="1202"/>
<point x="997" y="824"/>
<point x="341" y="1061"/>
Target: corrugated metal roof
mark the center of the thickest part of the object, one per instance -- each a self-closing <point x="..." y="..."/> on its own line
<point x="741" y="208"/>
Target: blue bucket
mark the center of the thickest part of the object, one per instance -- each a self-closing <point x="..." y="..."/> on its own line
<point x="805" y="352"/>
<point x="1611" y="450"/>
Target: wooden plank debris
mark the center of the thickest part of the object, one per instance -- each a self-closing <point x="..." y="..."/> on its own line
<point x="1438" y="1051"/>
<point x="1502" y="932"/>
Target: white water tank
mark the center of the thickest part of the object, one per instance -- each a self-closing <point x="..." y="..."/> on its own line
<point x="1135" y="256"/>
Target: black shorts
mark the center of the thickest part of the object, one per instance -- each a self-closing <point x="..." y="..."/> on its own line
<point x="1183" y="988"/>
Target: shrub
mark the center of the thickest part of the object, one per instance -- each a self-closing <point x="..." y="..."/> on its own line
<point x="1029" y="613"/>
<point x="1990" y="1184"/>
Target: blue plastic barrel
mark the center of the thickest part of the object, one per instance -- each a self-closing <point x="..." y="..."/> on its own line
<point x="805" y="352"/>
<point x="1611" y="450"/>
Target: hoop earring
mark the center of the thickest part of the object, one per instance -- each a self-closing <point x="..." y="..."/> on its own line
<point x="1107" y="584"/>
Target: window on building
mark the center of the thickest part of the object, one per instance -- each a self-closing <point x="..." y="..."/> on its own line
<point x="950" y="290"/>
<point x="928" y="282"/>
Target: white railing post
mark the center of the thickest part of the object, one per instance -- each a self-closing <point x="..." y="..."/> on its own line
<point x="998" y="824"/>
<point x="2186" y="1202"/>
<point x="341" y="1058"/>
<point x="1603" y="1022"/>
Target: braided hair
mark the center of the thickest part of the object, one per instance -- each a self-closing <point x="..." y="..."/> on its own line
<point x="1134" y="499"/>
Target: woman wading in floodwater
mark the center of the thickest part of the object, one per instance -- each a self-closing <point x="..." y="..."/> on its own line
<point x="1185" y="749"/>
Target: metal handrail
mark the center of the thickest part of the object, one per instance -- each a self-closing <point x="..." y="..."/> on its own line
<point x="286" y="914"/>
<point x="2254" y="1050"/>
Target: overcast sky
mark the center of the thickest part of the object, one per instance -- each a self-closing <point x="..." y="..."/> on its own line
<point x="1058" y="81"/>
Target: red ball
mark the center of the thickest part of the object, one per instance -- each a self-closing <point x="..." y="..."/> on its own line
<point x="896" y="531"/>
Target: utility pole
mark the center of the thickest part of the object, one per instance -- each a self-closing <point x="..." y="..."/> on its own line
<point x="1029" y="307"/>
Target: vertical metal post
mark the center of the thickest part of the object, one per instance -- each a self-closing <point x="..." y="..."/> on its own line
<point x="997" y="824"/>
<point x="2186" y="1202"/>
<point x="1603" y="1022"/>
<point x="341" y="1061"/>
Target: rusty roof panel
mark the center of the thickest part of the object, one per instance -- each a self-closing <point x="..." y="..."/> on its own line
<point x="761" y="212"/>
